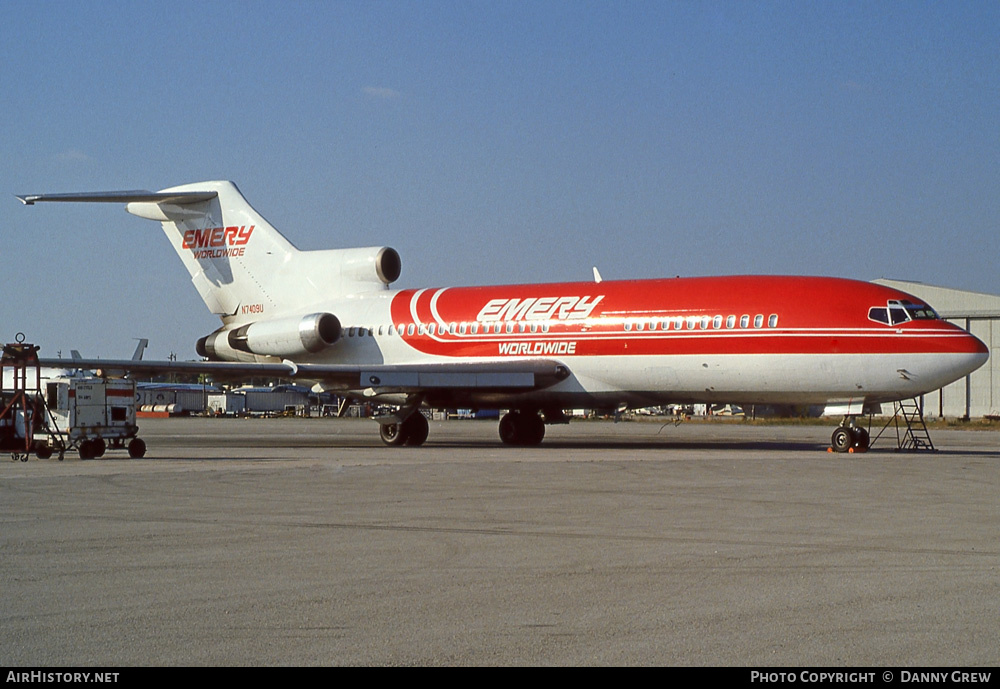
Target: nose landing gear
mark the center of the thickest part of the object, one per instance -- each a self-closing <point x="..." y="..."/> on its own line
<point x="850" y="437"/>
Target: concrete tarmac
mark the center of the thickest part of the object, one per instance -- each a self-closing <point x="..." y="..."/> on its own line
<point x="302" y="542"/>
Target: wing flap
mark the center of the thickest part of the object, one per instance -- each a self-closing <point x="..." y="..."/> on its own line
<point x="416" y="381"/>
<point x="521" y="375"/>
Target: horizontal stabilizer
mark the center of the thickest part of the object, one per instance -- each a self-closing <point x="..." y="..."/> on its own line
<point x="177" y="198"/>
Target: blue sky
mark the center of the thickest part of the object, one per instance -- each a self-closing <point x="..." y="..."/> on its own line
<point x="496" y="142"/>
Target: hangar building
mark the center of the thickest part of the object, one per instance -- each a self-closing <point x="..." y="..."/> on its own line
<point x="978" y="394"/>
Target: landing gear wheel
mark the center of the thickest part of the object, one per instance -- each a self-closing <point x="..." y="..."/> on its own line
<point x="521" y="428"/>
<point x="392" y="433"/>
<point x="43" y="451"/>
<point x="861" y="439"/>
<point x="841" y="440"/>
<point x="137" y="448"/>
<point x="509" y="429"/>
<point x="532" y="430"/>
<point x="415" y="429"/>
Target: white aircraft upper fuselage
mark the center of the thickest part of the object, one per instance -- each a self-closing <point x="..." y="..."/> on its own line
<point x="329" y="316"/>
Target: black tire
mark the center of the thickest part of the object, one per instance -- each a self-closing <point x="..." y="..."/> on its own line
<point x="842" y="439"/>
<point x="86" y="450"/>
<point x="392" y="433"/>
<point x="100" y="447"/>
<point x="510" y="429"/>
<point x="861" y="439"/>
<point x="532" y="429"/>
<point x="521" y="428"/>
<point x="416" y="429"/>
<point x="137" y="448"/>
<point x="43" y="451"/>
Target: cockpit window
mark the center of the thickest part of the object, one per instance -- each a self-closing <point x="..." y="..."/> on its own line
<point x="918" y="311"/>
<point x="898" y="311"/>
<point x="879" y="314"/>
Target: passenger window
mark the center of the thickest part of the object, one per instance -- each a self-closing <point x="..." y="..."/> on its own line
<point x="744" y="321"/>
<point x="409" y="329"/>
<point x="717" y="322"/>
<point x="758" y="320"/>
<point x="772" y="321"/>
<point x="730" y="321"/>
<point x="431" y="328"/>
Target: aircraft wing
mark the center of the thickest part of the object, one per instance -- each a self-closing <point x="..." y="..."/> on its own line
<point x="499" y="376"/>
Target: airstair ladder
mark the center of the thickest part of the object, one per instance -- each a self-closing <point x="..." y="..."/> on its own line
<point x="911" y="430"/>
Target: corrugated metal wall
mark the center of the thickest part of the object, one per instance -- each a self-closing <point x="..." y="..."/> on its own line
<point x="977" y="395"/>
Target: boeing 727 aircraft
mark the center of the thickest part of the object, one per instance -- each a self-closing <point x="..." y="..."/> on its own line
<point x="329" y="317"/>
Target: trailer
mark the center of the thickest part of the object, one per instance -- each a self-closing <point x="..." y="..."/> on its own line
<point x="24" y="417"/>
<point x="97" y="414"/>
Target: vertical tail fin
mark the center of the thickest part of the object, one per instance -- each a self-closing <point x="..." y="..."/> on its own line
<point x="242" y="267"/>
<point x="231" y="252"/>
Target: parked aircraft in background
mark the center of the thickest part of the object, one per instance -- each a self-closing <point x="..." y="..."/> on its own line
<point x="329" y="317"/>
<point x="65" y="369"/>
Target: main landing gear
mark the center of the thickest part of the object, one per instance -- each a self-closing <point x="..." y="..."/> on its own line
<point x="410" y="431"/>
<point x="522" y="428"/>
<point x="850" y="437"/>
<point x="518" y="428"/>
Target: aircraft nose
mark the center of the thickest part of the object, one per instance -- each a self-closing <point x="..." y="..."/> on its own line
<point x="983" y="349"/>
<point x="977" y="354"/>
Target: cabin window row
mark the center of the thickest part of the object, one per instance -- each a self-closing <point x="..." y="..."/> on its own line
<point x="450" y="329"/>
<point x="509" y="327"/>
<point x="701" y="322"/>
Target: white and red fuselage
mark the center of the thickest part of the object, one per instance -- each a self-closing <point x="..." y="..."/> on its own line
<point x="741" y="339"/>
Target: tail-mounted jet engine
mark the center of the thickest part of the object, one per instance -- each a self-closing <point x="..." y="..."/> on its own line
<point x="358" y="264"/>
<point x="282" y="337"/>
